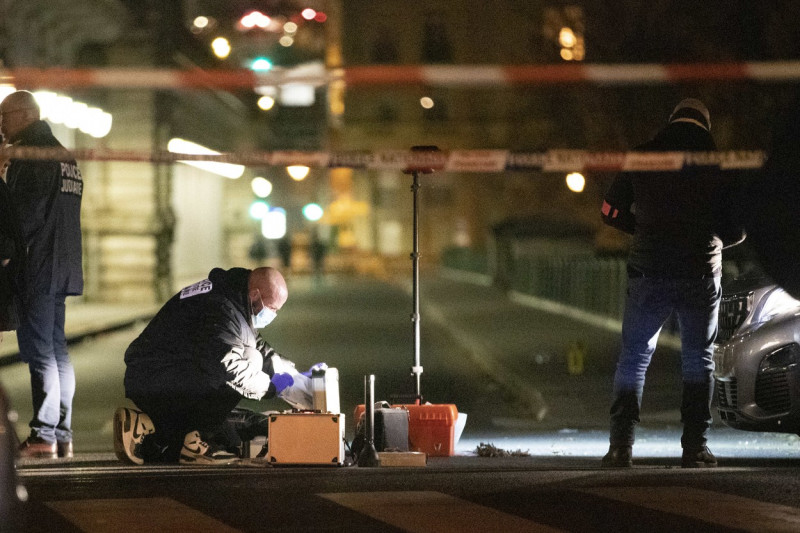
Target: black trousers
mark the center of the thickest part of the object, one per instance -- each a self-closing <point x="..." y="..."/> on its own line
<point x="175" y="415"/>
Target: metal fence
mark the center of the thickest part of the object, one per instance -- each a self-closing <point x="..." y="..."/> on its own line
<point x="590" y="283"/>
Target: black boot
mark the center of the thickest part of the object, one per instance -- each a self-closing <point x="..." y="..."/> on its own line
<point x="624" y="417"/>
<point x="618" y="457"/>
<point x="701" y="458"/>
<point x="696" y="418"/>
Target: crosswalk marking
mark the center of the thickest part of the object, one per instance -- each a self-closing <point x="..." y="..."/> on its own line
<point x="426" y="511"/>
<point x="714" y="507"/>
<point x="139" y="514"/>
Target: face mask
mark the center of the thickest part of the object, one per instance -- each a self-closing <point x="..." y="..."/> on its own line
<point x="263" y="318"/>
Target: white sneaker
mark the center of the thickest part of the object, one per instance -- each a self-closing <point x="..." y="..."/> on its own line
<point x="196" y="451"/>
<point x="130" y="427"/>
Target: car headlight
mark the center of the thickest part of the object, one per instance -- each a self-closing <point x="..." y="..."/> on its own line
<point x="781" y="358"/>
<point x="776" y="302"/>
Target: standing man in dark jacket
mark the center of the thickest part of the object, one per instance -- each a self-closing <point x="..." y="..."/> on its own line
<point x="680" y="223"/>
<point x="47" y="195"/>
<point x="198" y="357"/>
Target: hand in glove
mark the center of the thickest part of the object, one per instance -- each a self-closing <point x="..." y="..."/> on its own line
<point x="281" y="381"/>
<point x="318" y="366"/>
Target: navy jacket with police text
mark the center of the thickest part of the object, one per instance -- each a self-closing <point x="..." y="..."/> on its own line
<point x="47" y="195"/>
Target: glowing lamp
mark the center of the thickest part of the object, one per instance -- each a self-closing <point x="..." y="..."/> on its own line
<point x="312" y="212"/>
<point x="298" y="172"/>
<point x="576" y="182"/>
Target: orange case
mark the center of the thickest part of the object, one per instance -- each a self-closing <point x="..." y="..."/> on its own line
<point x="431" y="427"/>
<point x="304" y="438"/>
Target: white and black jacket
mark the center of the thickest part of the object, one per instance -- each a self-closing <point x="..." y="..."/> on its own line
<point x="200" y="341"/>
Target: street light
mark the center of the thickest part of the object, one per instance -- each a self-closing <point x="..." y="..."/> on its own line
<point x="273" y="225"/>
<point x="255" y="19"/>
<point x="265" y="103"/>
<point x="182" y="146"/>
<point x="200" y="22"/>
<point x="261" y="187"/>
<point x="259" y="209"/>
<point x="5" y="90"/>
<point x="96" y="122"/>
<point x="576" y="182"/>
<point x="261" y="64"/>
<point x="312" y="212"/>
<point x="298" y="172"/>
<point x="74" y="114"/>
<point x="57" y="113"/>
<point x="221" y="47"/>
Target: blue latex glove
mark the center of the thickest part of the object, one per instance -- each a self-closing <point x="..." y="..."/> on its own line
<point x="281" y="381"/>
<point x="318" y="366"/>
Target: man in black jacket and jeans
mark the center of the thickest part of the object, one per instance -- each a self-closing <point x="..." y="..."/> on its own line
<point x="680" y="223"/>
<point x="47" y="196"/>
<point x="193" y="363"/>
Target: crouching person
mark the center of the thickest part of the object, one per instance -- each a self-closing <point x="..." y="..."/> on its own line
<point x="193" y="363"/>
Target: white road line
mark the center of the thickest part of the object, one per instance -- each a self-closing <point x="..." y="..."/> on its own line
<point x="136" y="514"/>
<point x="426" y="511"/>
<point x="717" y="508"/>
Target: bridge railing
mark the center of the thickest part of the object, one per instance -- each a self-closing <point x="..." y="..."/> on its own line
<point x="590" y="283"/>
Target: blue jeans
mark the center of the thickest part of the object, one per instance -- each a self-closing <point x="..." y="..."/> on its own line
<point x="43" y="345"/>
<point x="649" y="303"/>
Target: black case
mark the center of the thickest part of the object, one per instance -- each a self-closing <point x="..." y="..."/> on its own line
<point x="391" y="431"/>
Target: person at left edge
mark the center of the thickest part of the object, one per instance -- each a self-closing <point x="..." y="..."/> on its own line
<point x="12" y="255"/>
<point x="47" y="195"/>
<point x="196" y="359"/>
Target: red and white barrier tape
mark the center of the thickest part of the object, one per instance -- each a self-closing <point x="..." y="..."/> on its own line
<point x="430" y="75"/>
<point x="445" y="161"/>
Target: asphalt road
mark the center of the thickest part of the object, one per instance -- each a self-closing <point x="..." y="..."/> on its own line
<point x="454" y="494"/>
<point x="503" y="364"/>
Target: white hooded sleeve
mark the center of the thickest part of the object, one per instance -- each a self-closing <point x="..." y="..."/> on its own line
<point x="244" y="369"/>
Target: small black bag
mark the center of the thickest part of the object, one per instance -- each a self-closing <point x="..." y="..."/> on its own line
<point x="391" y="430"/>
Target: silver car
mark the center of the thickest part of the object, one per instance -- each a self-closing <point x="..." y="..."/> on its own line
<point x="757" y="357"/>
